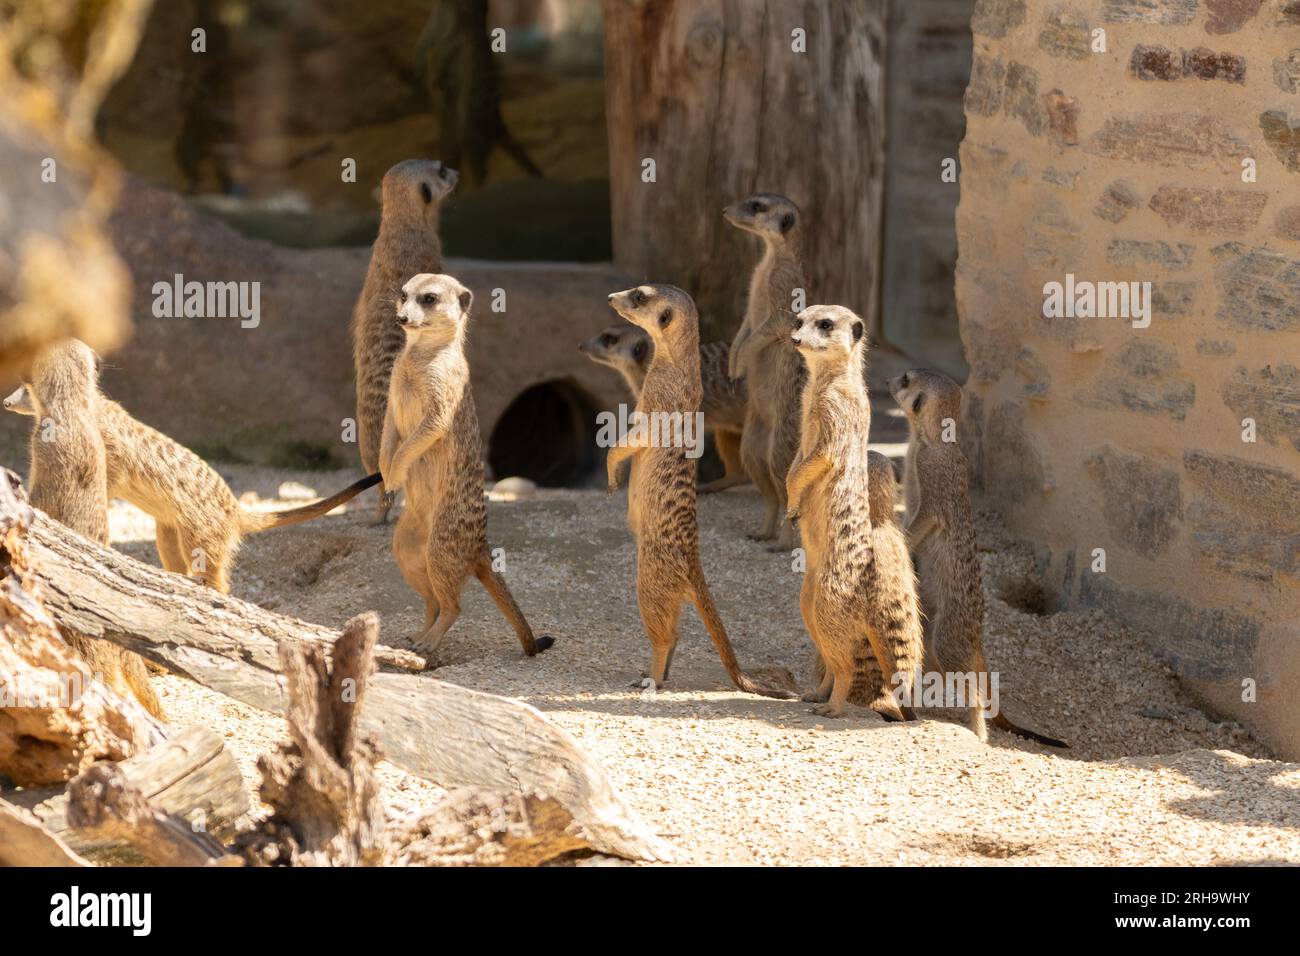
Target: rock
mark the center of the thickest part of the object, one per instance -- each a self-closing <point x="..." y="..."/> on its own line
<point x="1243" y="515"/>
<point x="1258" y="289"/>
<point x="1187" y="140"/>
<point x="1282" y="133"/>
<point x="1228" y="16"/>
<point x="1167" y="12"/>
<point x="1271" y="397"/>
<point x="1065" y="33"/>
<point x="995" y="18"/>
<point x="1141" y="499"/>
<point x="1209" y="210"/>
<point x="1144" y="377"/>
<point x="1117" y="201"/>
<point x="1132" y="252"/>
<point x="513" y="489"/>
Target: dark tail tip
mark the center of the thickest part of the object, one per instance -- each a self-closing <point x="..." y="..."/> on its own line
<point x="542" y="643"/>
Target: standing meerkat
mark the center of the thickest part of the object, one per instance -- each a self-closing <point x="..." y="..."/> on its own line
<point x="941" y="533"/>
<point x="628" y="350"/>
<point x="763" y="354"/>
<point x="853" y="604"/>
<point x="200" y="523"/>
<point x="407" y="245"/>
<point x="69" y="482"/>
<point x="661" y="488"/>
<point x="432" y="448"/>
<point x="894" y="568"/>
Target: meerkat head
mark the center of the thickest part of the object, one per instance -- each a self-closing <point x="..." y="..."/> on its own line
<point x="415" y="188"/>
<point x="927" y="398"/>
<point x="20" y="401"/>
<point x="435" y="307"/>
<point x="665" y="311"/>
<point x="765" y="214"/>
<point x="625" y="348"/>
<point x="828" y="333"/>
<point x="68" y="369"/>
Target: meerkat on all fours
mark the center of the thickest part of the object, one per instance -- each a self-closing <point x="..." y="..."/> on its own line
<point x="432" y="448"/>
<point x="200" y="523"/>
<point x="941" y="534"/>
<point x="408" y="244"/>
<point x="69" y="482"/>
<point x="628" y="350"/>
<point x="661" y="488"/>
<point x="761" y="351"/>
<point x="853" y="603"/>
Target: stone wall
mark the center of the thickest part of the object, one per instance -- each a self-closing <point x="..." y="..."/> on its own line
<point x="1163" y="150"/>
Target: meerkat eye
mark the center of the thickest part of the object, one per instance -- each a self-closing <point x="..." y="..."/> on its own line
<point x="825" y="325"/>
<point x="638" y="298"/>
<point x="917" y="402"/>
<point x="426" y="193"/>
<point x="428" y="299"/>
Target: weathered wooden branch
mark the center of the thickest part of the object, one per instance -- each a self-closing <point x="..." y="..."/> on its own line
<point x="191" y="776"/>
<point x="105" y="807"/>
<point x="55" y="717"/>
<point x="24" y="842"/>
<point x="321" y="785"/>
<point x="450" y="735"/>
<point x="473" y="828"/>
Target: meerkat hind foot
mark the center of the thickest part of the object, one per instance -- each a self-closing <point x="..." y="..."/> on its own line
<point x="828" y="710"/>
<point x="816" y="696"/>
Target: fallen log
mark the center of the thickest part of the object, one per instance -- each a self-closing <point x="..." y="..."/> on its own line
<point x="191" y="776"/>
<point x="104" y="807"/>
<point x="55" y="718"/>
<point x="24" y="842"/>
<point x="449" y="735"/>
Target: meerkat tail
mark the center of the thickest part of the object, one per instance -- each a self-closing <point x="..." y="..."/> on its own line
<point x="1002" y="723"/>
<point x="250" y="521"/>
<point x="496" y="588"/>
<point x="703" y="601"/>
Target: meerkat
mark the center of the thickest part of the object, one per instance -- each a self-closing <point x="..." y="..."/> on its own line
<point x="941" y="534"/>
<point x="200" y="523"/>
<point x="661" y="488"/>
<point x="853" y="604"/>
<point x="628" y="350"/>
<point x="432" y="448"/>
<point x="763" y="354"/>
<point x="69" y="482"/>
<point x="412" y="193"/>
<point x="894" y="563"/>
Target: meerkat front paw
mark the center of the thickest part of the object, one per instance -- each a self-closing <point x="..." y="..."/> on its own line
<point x="828" y="710"/>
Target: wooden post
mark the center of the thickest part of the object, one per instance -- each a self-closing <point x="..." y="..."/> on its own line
<point x="716" y="94"/>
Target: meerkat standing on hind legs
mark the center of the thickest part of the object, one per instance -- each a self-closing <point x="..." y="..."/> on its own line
<point x="629" y="350"/>
<point x="851" y="605"/>
<point x="69" y="482"/>
<point x="762" y="353"/>
<point x="432" y="448"/>
<point x="661" y="488"/>
<point x="200" y="523"/>
<point x="407" y="245"/>
<point x="941" y="533"/>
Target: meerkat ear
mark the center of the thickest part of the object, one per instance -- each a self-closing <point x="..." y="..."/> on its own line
<point x="857" y="331"/>
<point x="426" y="193"/>
<point x="466" y="300"/>
<point x="918" y="402"/>
<point x="787" y="222"/>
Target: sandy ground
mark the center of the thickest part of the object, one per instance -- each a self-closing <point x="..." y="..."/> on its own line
<point x="730" y="778"/>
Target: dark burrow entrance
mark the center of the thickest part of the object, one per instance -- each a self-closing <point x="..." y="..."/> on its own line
<point x="547" y="434"/>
